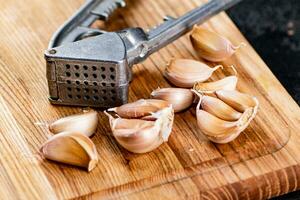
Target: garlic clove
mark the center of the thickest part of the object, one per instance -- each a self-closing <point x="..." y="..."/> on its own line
<point x="237" y="100"/>
<point x="213" y="126"/>
<point x="219" y="109"/>
<point x="219" y="130"/>
<point x="140" y="108"/>
<point x="180" y="98"/>
<point x="71" y="148"/>
<point x="85" y="123"/>
<point x="228" y="83"/>
<point x="185" y="73"/>
<point x="212" y="46"/>
<point x="141" y="136"/>
<point x="242" y="123"/>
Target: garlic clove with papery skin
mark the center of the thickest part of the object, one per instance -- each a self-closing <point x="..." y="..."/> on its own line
<point x="142" y="136"/>
<point x="180" y="98"/>
<point x="140" y="108"/>
<point x="212" y="46"/>
<point x="227" y="83"/>
<point x="219" y="130"/>
<point x="219" y="109"/>
<point x="237" y="100"/>
<point x="85" y="123"/>
<point x="185" y="73"/>
<point x="71" y="148"/>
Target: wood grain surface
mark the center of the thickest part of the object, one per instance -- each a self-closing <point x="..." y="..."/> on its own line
<point x="263" y="162"/>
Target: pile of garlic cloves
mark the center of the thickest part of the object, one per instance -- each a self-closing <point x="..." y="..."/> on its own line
<point x="142" y="126"/>
<point x="222" y="112"/>
<point x="222" y="118"/>
<point x="71" y="143"/>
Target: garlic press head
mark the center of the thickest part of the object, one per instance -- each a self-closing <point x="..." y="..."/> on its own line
<point x="93" y="72"/>
<point x="91" y="67"/>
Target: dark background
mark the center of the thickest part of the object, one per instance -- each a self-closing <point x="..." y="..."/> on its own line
<point x="273" y="29"/>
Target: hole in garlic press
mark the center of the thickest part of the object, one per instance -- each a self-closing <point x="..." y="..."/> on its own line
<point x="86" y="97"/>
<point x="96" y="98"/>
<point x="95" y="91"/>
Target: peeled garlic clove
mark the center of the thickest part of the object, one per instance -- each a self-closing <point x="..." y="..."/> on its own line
<point x="141" y="136"/>
<point x="219" y="109"/>
<point x="140" y="108"/>
<point x="210" y="45"/>
<point x="85" y="123"/>
<point x="71" y="148"/>
<point x="237" y="100"/>
<point x="185" y="73"/>
<point x="180" y="98"/>
<point x="228" y="83"/>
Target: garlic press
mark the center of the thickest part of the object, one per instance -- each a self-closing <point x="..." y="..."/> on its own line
<point x="92" y="67"/>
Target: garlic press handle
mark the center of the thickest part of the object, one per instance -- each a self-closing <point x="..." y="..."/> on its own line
<point x="78" y="26"/>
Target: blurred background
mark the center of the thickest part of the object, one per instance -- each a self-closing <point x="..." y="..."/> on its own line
<point x="273" y="28"/>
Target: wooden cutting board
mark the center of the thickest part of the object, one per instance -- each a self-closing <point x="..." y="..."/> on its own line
<point x="263" y="162"/>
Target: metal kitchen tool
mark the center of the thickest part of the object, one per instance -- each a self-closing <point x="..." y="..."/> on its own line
<point x="91" y="67"/>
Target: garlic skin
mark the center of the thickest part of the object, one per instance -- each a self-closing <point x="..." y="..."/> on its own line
<point x="140" y="108"/>
<point x="185" y="73"/>
<point x="85" y="123"/>
<point x="180" y="98"/>
<point x="71" y="148"/>
<point x="237" y="100"/>
<point x="212" y="46"/>
<point x="142" y="136"/>
<point x="227" y="83"/>
<point x="219" y="109"/>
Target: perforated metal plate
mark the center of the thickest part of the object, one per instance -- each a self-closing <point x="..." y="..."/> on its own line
<point x="90" y="84"/>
